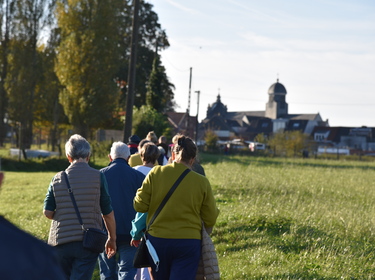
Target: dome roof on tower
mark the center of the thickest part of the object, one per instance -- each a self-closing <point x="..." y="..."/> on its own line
<point x="217" y="108"/>
<point x="277" y="88"/>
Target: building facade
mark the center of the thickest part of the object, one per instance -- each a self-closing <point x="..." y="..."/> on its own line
<point x="246" y="125"/>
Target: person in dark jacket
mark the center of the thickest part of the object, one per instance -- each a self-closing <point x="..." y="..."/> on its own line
<point x="133" y="144"/>
<point x="123" y="182"/>
<point x="25" y="257"/>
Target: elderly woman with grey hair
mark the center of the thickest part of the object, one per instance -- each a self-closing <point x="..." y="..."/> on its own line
<point x="91" y="194"/>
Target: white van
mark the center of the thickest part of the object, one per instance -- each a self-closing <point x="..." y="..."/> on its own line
<point x="256" y="146"/>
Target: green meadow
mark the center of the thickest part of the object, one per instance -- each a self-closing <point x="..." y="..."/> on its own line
<point x="279" y="218"/>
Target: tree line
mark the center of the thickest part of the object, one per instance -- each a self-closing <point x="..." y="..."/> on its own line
<point x="64" y="64"/>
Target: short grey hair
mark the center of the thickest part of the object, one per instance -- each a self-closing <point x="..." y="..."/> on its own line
<point x="77" y="147"/>
<point x="119" y="150"/>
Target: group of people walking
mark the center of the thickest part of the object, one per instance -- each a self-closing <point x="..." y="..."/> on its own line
<point x="123" y="197"/>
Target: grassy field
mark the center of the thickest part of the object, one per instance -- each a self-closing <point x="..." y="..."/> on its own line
<point x="280" y="218"/>
<point x="294" y="219"/>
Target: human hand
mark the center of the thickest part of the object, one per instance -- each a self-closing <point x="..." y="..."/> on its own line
<point x="135" y="243"/>
<point x="110" y="248"/>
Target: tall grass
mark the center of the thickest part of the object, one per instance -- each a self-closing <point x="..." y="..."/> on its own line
<point x="279" y="219"/>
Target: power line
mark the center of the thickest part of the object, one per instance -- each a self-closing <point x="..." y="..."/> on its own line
<point x="334" y="104"/>
<point x="295" y="103"/>
<point x="178" y="69"/>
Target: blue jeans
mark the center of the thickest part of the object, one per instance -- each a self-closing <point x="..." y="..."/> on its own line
<point x="76" y="262"/>
<point x="179" y="258"/>
<point x="121" y="268"/>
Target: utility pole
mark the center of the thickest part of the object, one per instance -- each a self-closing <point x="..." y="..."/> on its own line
<point x="196" y="127"/>
<point x="131" y="74"/>
<point x="188" y="109"/>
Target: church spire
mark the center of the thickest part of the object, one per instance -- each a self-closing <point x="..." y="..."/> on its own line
<point x="218" y="100"/>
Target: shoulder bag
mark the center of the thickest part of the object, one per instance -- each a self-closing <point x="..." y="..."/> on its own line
<point x="208" y="268"/>
<point x="93" y="239"/>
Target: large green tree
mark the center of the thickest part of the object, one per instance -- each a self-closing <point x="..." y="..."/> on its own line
<point x="155" y="95"/>
<point x="87" y="60"/>
<point x="49" y="113"/>
<point x="21" y="79"/>
<point x="146" y="119"/>
<point x="29" y="19"/>
<point x="151" y="39"/>
<point x="87" y="54"/>
<point x="6" y="15"/>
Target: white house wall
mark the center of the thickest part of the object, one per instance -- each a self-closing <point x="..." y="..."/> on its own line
<point x="222" y="133"/>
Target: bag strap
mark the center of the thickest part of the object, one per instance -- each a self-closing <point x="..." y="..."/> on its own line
<point x="70" y="191"/>
<point x="168" y="195"/>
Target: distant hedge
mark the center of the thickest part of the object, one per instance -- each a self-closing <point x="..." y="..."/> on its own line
<point x="35" y="165"/>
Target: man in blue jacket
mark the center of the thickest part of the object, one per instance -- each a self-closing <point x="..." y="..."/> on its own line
<point x="123" y="183"/>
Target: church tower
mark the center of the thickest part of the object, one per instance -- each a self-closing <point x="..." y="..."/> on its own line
<point x="217" y="108"/>
<point x="276" y="106"/>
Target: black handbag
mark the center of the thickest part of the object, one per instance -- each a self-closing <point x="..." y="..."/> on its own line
<point x="93" y="239"/>
<point x="142" y="256"/>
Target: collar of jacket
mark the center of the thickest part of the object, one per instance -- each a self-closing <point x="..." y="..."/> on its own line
<point x="119" y="160"/>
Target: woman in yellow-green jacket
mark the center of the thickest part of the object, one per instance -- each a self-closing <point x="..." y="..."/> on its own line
<point x="176" y="232"/>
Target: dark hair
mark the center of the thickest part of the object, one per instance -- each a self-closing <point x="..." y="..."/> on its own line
<point x="184" y="148"/>
<point x="142" y="142"/>
<point x="149" y="152"/>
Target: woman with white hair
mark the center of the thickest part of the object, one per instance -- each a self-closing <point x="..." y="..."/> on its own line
<point x="90" y="191"/>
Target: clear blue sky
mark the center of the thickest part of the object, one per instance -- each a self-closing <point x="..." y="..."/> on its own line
<point x="323" y="52"/>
